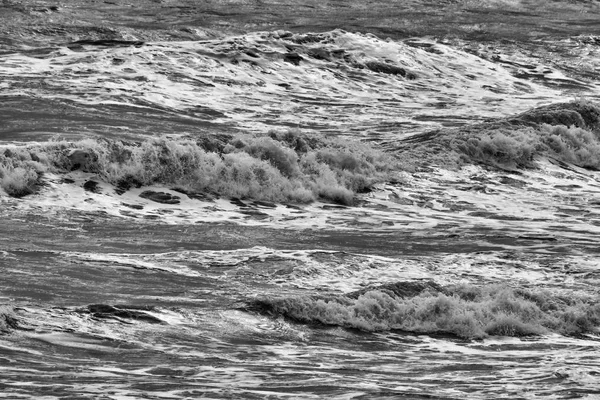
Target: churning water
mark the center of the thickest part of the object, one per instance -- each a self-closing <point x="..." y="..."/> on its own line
<point x="194" y="216"/>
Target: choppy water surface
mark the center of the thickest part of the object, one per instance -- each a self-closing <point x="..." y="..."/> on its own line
<point x="106" y="321"/>
<point x="444" y="281"/>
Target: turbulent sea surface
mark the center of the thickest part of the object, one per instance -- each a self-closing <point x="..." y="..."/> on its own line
<point x="303" y="200"/>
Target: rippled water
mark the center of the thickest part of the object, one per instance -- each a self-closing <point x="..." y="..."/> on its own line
<point x="181" y="332"/>
<point x="111" y="295"/>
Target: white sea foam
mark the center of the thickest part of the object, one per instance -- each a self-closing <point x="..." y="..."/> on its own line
<point x="216" y="351"/>
<point x="126" y="261"/>
<point x="443" y="201"/>
<point x="261" y="91"/>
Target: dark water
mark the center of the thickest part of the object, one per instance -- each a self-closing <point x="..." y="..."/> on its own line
<point x="179" y="331"/>
<point x="108" y="294"/>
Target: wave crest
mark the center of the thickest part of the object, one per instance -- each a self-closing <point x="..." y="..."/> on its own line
<point x="569" y="132"/>
<point x="466" y="311"/>
<point x="276" y="167"/>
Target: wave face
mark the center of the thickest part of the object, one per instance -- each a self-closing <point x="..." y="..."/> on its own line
<point x="465" y="311"/>
<point x="566" y="132"/>
<point x="278" y="167"/>
<point x="332" y="82"/>
<point x="159" y="315"/>
<point x="273" y="199"/>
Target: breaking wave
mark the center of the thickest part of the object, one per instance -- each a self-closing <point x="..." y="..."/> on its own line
<point x="467" y="311"/>
<point x="275" y="167"/>
<point x="335" y="81"/>
<point x="298" y="167"/>
<point x="568" y="132"/>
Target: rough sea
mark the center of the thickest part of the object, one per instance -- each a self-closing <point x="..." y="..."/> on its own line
<point x="269" y="199"/>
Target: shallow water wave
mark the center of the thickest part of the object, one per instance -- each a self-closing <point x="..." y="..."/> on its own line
<point x="465" y="311"/>
<point x="337" y="81"/>
<point x="261" y="357"/>
<point x="266" y="270"/>
<point x="168" y="245"/>
<point x="275" y="167"/>
<point x="567" y="132"/>
<point x="466" y="183"/>
<point x="284" y="373"/>
<point x="473" y="207"/>
<point x="123" y="329"/>
<point x="547" y="62"/>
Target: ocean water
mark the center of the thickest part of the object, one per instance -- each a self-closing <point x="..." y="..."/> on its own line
<point x="270" y="200"/>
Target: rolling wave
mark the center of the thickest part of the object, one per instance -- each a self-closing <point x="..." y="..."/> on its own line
<point x="567" y="132"/>
<point x="274" y="167"/>
<point x="299" y="167"/>
<point x="189" y="209"/>
<point x="339" y="82"/>
<point x="467" y="311"/>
